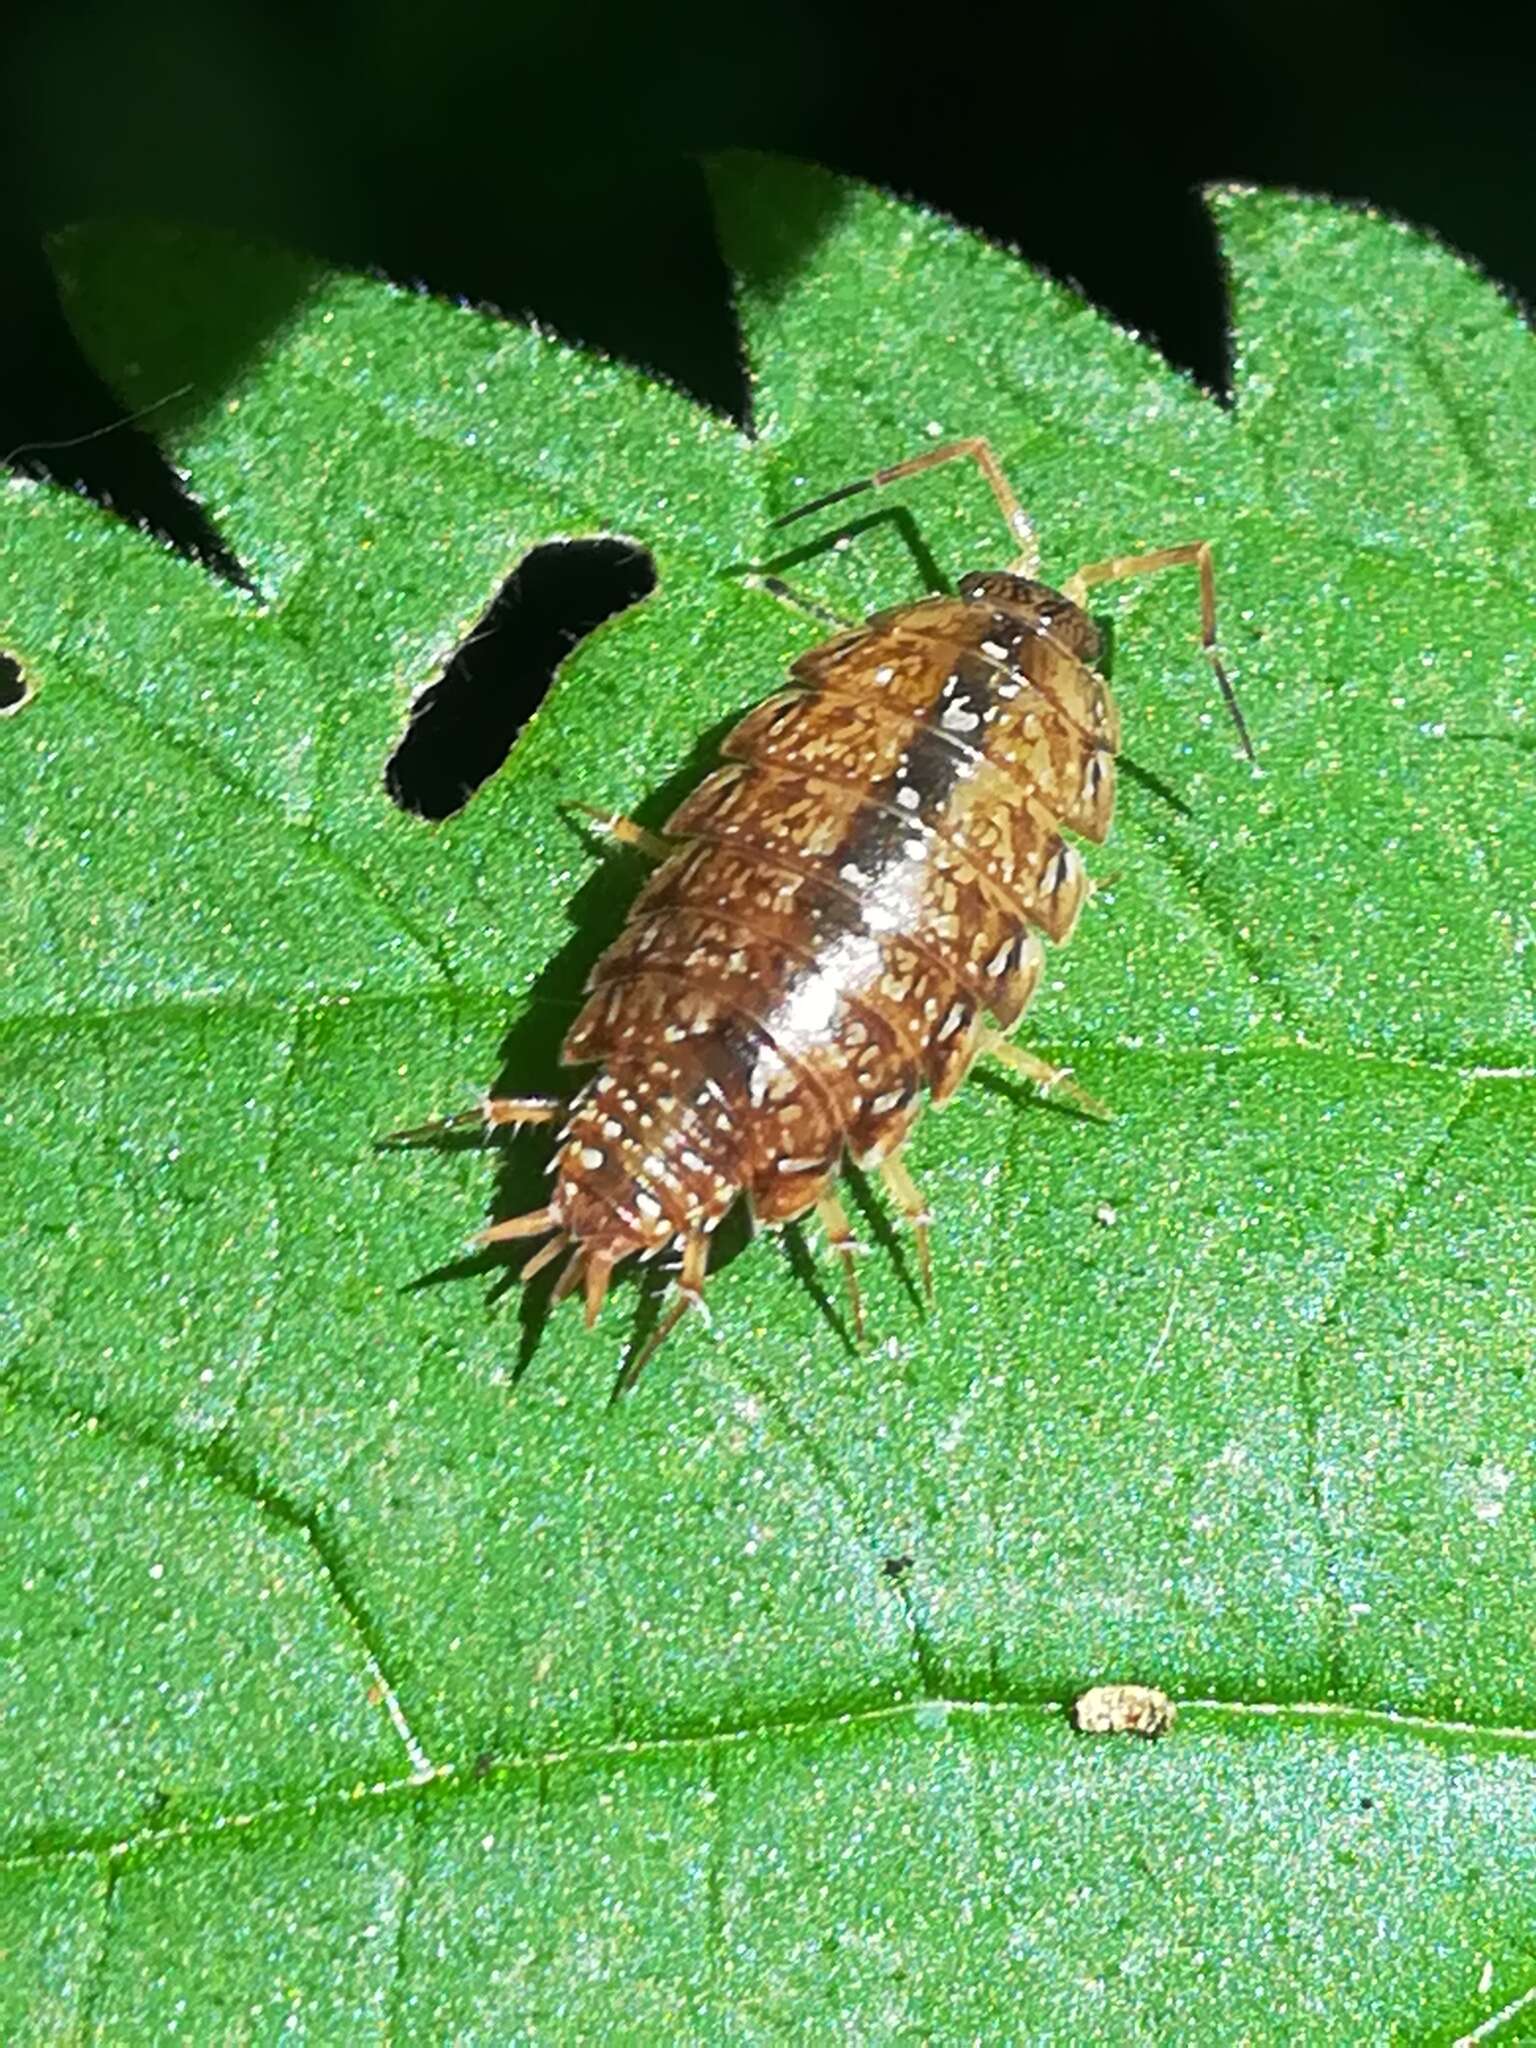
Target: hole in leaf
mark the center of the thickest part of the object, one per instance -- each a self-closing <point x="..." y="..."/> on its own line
<point x="14" y="687"/>
<point x="462" y="726"/>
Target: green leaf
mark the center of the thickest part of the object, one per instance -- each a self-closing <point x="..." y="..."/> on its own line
<point x="366" y="1672"/>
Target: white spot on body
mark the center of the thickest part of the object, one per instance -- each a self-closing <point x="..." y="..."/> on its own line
<point x="592" y="1159"/>
<point x="956" y="718"/>
<point x="811" y="1006"/>
<point x="909" y="798"/>
<point x="647" y="1204"/>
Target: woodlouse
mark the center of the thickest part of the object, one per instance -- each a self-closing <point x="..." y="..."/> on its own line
<point x="837" y="911"/>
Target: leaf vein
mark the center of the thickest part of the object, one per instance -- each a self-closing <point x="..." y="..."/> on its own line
<point x="458" y="1781"/>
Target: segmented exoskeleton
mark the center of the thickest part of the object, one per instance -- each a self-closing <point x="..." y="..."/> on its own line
<point x="846" y="914"/>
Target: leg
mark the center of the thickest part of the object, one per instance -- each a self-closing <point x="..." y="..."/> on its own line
<point x="690" y="1294"/>
<point x="613" y="825"/>
<point x="908" y="1197"/>
<point x="1194" y="554"/>
<point x="834" y="1221"/>
<point x="798" y="602"/>
<point x="568" y="1277"/>
<point x="544" y="1256"/>
<point x="492" y="1111"/>
<point x="1048" y="1079"/>
<point x="975" y="450"/>
<point x="599" y="1268"/>
<point x="537" y="1223"/>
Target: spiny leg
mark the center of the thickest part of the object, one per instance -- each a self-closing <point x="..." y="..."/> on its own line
<point x="1195" y="554"/>
<point x="977" y="450"/>
<point x="834" y="1221"/>
<point x="1048" y="1079"/>
<point x="543" y="1257"/>
<point x="595" y="1284"/>
<point x="537" y="1223"/>
<point x="613" y="825"/>
<point x="569" y="1277"/>
<point x="493" y="1111"/>
<point x="908" y="1197"/>
<point x="690" y="1294"/>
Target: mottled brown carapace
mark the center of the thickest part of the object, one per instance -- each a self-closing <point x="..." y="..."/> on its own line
<point x="845" y="915"/>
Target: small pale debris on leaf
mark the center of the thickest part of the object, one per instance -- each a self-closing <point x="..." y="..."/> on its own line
<point x="1107" y="1214"/>
<point x="1123" y="1710"/>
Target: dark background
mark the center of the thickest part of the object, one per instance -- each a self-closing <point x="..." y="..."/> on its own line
<point x="540" y="158"/>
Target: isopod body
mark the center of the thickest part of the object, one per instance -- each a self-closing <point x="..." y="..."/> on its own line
<point x="846" y="914"/>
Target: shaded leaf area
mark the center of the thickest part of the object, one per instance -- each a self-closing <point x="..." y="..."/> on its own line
<point x="1256" y="1878"/>
<point x="1227" y="1396"/>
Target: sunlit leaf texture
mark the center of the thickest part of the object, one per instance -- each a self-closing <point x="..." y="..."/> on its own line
<point x="364" y="1673"/>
